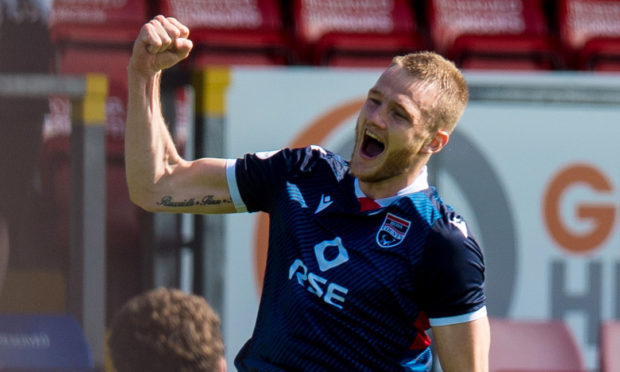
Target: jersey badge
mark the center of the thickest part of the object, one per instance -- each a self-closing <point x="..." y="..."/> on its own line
<point x="393" y="231"/>
<point x="325" y="202"/>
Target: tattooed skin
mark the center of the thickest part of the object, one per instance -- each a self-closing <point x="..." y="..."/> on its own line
<point x="167" y="201"/>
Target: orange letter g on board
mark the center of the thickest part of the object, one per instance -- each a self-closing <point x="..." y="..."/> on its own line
<point x="601" y="215"/>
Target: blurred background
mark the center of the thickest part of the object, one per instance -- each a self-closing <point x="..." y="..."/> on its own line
<point x="533" y="165"/>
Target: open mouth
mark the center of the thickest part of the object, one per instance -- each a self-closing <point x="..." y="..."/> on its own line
<point x="371" y="145"/>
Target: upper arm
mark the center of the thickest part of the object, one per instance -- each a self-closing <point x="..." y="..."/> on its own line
<point x="463" y="346"/>
<point x="212" y="185"/>
<point x="198" y="186"/>
<point x="451" y="280"/>
<point x="450" y="275"/>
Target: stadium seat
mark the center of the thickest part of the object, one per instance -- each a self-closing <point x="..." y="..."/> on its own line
<point x="43" y="343"/>
<point x="233" y="32"/>
<point x="518" y="345"/>
<point x="94" y="22"/>
<point x="97" y="36"/>
<point x="360" y="34"/>
<point x="493" y="34"/>
<point x="609" y="348"/>
<point x="590" y="33"/>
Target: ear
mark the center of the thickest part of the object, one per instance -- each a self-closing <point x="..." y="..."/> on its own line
<point x="437" y="143"/>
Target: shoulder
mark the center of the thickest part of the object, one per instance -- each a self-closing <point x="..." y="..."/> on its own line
<point x="451" y="270"/>
<point x="451" y="236"/>
<point x="299" y="161"/>
<point x="312" y="156"/>
<point x="444" y="222"/>
<point x="449" y="242"/>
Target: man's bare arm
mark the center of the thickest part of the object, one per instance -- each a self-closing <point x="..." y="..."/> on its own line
<point x="464" y="346"/>
<point x="158" y="178"/>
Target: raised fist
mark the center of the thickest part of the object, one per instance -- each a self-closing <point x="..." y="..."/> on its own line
<point x="161" y="43"/>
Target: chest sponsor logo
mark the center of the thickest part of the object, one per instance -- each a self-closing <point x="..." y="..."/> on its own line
<point x="393" y="231"/>
<point x="331" y="293"/>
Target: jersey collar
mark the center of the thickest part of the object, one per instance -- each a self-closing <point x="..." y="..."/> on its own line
<point x="420" y="183"/>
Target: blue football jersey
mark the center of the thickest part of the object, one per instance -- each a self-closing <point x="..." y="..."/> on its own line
<point x="346" y="289"/>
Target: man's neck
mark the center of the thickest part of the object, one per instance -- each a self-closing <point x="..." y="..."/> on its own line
<point x="407" y="183"/>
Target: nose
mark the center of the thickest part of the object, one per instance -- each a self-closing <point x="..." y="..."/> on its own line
<point x="376" y="116"/>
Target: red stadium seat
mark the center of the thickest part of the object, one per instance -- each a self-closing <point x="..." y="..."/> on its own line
<point x="91" y="22"/>
<point x="234" y="31"/>
<point x="590" y="32"/>
<point x="346" y="33"/>
<point x="609" y="348"/>
<point x="493" y="34"/>
<point x="97" y="36"/>
<point x="533" y="346"/>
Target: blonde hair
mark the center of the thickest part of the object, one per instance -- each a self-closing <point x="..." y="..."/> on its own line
<point x="449" y="83"/>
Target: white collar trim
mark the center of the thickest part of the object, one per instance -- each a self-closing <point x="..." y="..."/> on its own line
<point x="420" y="183"/>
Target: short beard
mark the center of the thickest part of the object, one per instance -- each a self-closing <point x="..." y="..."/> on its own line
<point x="397" y="164"/>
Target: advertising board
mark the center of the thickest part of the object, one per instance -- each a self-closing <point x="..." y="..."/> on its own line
<point x="533" y="167"/>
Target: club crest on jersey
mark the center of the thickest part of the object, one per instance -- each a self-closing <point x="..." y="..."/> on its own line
<point x="393" y="231"/>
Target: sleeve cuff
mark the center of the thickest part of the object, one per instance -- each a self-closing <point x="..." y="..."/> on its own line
<point x="464" y="318"/>
<point x="233" y="188"/>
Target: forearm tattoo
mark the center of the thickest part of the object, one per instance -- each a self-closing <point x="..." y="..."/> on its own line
<point x="206" y="200"/>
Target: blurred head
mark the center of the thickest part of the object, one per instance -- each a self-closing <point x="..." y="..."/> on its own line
<point x="166" y="330"/>
<point x="408" y="115"/>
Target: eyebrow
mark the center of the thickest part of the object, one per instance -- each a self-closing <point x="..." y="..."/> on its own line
<point x="397" y="104"/>
<point x="375" y="91"/>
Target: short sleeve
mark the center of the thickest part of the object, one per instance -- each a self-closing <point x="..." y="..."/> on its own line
<point x="256" y="180"/>
<point x="450" y="276"/>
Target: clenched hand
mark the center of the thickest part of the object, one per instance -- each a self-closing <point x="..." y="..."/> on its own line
<point x="161" y="43"/>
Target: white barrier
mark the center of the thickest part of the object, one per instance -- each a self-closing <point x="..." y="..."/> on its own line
<point x="533" y="167"/>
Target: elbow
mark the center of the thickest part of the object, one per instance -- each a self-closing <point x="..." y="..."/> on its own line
<point x="140" y="202"/>
<point x="142" y="198"/>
